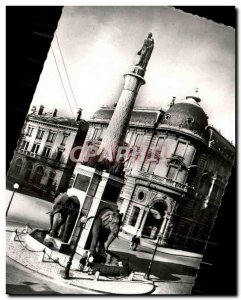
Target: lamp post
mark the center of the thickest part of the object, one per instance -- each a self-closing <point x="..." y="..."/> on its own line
<point x="83" y="221"/>
<point x="147" y="275"/>
<point x="15" y="187"/>
<point x="160" y="235"/>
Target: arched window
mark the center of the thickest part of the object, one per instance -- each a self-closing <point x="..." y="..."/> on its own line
<point x="51" y="179"/>
<point x="28" y="168"/>
<point x="38" y="174"/>
<point x="18" y="166"/>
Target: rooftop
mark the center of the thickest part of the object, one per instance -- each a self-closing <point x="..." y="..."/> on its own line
<point x="59" y="120"/>
<point x="140" y="115"/>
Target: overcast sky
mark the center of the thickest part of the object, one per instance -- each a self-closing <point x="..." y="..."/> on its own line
<point x="99" y="44"/>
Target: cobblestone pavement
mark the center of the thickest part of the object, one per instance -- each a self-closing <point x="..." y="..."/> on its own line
<point x="30" y="260"/>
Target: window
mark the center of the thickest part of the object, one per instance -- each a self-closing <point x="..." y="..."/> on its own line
<point x="215" y="193"/>
<point x="35" y="148"/>
<point x="180" y="150"/>
<point x="134" y="215"/>
<point x="82" y="182"/>
<point x="29" y="131"/>
<point x="141" y="196"/>
<point x="172" y="172"/>
<point x="64" y="140"/>
<point x="38" y="174"/>
<point x="59" y="155"/>
<point x="190" y="120"/>
<point x="51" y="179"/>
<point x="51" y="137"/>
<point x="139" y="138"/>
<point x="128" y="137"/>
<point x="28" y="168"/>
<point x="40" y="134"/>
<point x="204" y="186"/>
<point x="152" y="167"/>
<point x="159" y="143"/>
<point x="46" y="152"/>
<point x="25" y="145"/>
<point x="97" y="133"/>
<point x="18" y="167"/>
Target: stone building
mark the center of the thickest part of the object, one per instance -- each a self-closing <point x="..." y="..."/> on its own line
<point x="177" y="194"/>
<point x="41" y="163"/>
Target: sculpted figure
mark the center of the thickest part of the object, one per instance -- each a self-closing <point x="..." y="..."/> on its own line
<point x="146" y="50"/>
<point x="105" y="229"/>
<point x="58" y="214"/>
<point x="63" y="216"/>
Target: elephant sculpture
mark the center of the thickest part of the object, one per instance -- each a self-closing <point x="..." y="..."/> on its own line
<point x="63" y="216"/>
<point x="104" y="231"/>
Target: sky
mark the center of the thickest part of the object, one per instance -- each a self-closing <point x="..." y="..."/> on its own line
<point x="99" y="45"/>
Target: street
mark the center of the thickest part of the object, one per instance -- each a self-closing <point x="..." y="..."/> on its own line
<point x="24" y="281"/>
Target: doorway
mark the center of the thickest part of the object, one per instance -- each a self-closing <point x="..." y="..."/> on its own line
<point x="154" y="220"/>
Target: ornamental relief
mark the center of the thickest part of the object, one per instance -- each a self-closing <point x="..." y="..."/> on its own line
<point x="160" y="197"/>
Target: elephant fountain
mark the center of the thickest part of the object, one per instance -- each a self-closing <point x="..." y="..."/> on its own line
<point x="63" y="216"/>
<point x="105" y="229"/>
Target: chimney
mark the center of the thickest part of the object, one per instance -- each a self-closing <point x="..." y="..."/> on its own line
<point x="55" y="112"/>
<point x="41" y="109"/>
<point x="79" y="114"/>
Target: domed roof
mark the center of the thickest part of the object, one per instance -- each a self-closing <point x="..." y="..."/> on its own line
<point x="187" y="114"/>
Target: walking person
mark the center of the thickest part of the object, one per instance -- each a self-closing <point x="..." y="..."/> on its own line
<point x="135" y="241"/>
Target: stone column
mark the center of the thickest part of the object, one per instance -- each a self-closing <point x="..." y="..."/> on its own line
<point x="116" y="131"/>
<point x="164" y="226"/>
<point x="145" y="212"/>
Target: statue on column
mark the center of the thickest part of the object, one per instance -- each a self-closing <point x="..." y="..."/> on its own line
<point x="146" y="50"/>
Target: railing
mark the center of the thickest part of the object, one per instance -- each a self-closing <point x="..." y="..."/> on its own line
<point x="166" y="181"/>
<point x="40" y="157"/>
<point x="26" y="152"/>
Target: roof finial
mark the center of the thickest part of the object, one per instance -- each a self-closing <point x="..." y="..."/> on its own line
<point x="195" y="97"/>
<point x="172" y="102"/>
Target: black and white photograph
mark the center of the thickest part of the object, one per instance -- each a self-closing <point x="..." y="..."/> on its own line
<point x="121" y="149"/>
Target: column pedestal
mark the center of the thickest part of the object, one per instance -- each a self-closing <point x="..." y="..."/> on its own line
<point x="101" y="190"/>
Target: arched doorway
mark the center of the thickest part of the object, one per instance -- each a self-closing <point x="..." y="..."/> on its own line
<point x="18" y="167"/>
<point x="29" y="168"/>
<point x="50" y="181"/>
<point x="38" y="175"/>
<point x="154" y="220"/>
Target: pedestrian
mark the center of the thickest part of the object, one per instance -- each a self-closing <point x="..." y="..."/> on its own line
<point x="83" y="261"/>
<point x="135" y="241"/>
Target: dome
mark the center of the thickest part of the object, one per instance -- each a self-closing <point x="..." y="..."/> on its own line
<point x="187" y="114"/>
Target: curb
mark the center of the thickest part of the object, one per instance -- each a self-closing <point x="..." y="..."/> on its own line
<point x="62" y="281"/>
<point x="84" y="288"/>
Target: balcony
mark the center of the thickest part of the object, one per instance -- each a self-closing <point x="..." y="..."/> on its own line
<point x="26" y="152"/>
<point x="166" y="181"/>
<point x="42" y="158"/>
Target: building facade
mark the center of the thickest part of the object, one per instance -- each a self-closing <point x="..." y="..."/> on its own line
<point x="175" y="195"/>
<point x="41" y="163"/>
